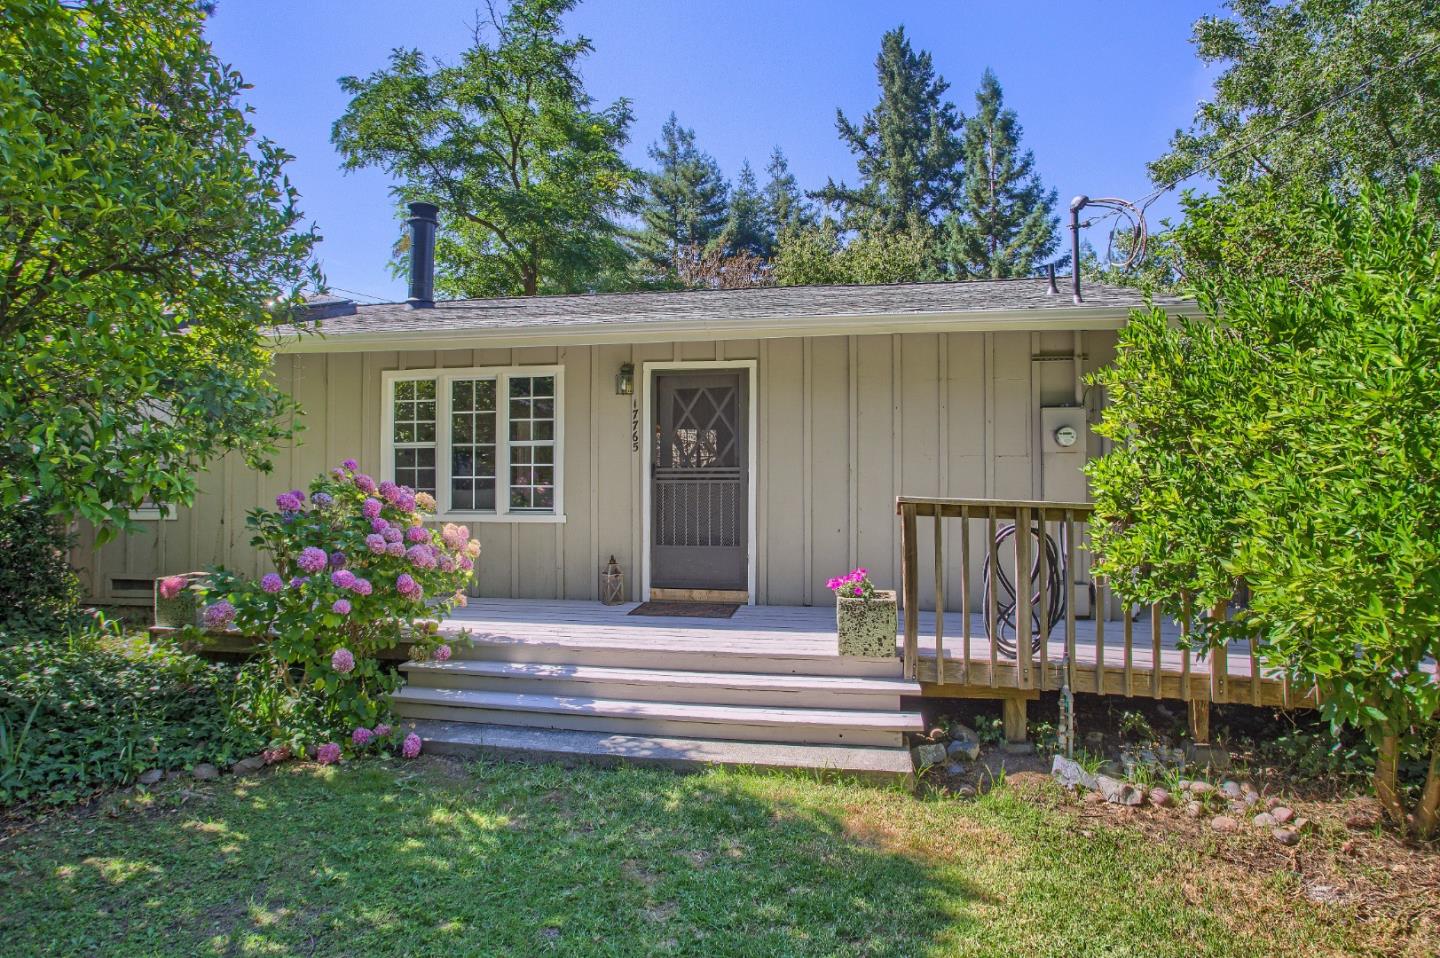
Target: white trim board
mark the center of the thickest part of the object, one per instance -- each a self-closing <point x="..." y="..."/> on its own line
<point x="647" y="371"/>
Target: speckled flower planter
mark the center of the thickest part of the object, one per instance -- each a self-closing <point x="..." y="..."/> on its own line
<point x="866" y="628"/>
<point x="184" y="609"/>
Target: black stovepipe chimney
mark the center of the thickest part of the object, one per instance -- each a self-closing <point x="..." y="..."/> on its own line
<point x="423" y="221"/>
<point x="1076" y="205"/>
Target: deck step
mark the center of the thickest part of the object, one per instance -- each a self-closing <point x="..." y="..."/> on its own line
<point x="620" y="653"/>
<point x="670" y="719"/>
<point x="602" y="748"/>
<point x="670" y="685"/>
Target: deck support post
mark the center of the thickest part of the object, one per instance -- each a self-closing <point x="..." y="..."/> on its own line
<point x="1200" y="720"/>
<point x="1014" y="714"/>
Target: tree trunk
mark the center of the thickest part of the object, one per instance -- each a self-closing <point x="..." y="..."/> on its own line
<point x="1387" y="761"/>
<point x="1427" y="811"/>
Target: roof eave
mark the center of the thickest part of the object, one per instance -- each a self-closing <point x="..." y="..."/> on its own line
<point x="603" y="333"/>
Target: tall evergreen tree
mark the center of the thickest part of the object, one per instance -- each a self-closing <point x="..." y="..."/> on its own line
<point x="1005" y="223"/>
<point x="684" y="202"/>
<point x="907" y="148"/>
<point x="786" y="207"/>
<point x="748" y="228"/>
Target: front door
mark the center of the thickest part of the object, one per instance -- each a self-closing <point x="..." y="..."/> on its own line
<point x="699" y="484"/>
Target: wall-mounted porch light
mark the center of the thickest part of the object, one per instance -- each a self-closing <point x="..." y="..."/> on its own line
<point x="625" y="380"/>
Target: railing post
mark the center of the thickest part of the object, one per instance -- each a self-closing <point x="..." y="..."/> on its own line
<point x="910" y="586"/>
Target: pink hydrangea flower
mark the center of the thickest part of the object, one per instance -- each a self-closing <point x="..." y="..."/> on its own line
<point x="405" y="502"/>
<point x="425" y="501"/>
<point x="410" y="748"/>
<point x="312" y="559"/>
<point x="447" y="564"/>
<point x="393" y="533"/>
<point x="388" y="489"/>
<point x="442" y="653"/>
<point x="472" y="548"/>
<point x="341" y="607"/>
<point x="461" y="599"/>
<point x="375" y="542"/>
<point x="219" y="615"/>
<point x="337" y="560"/>
<point x="342" y="578"/>
<point x="371" y="508"/>
<point x="417" y="534"/>
<point x="362" y="587"/>
<point x="322" y="499"/>
<point x="328" y="754"/>
<point x="361" y="737"/>
<point x="271" y="583"/>
<point x="421" y="557"/>
<point x="171" y="586"/>
<point x="350" y="464"/>
<point x="378" y="525"/>
<point x="342" y="661"/>
<point x="466" y="563"/>
<point x="407" y="586"/>
<point x="364" y="483"/>
<point x="298" y="581"/>
<point x="290" y="501"/>
<point x="382" y="730"/>
<point x="396" y="549"/>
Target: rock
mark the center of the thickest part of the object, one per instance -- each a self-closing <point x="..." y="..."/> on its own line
<point x="1224" y="824"/>
<point x="150" y="776"/>
<point x="248" y="766"/>
<point x="1094" y="798"/>
<point x="1281" y="814"/>
<point x="1286" y="836"/>
<point x="937" y="734"/>
<point x="1201" y="789"/>
<point x="1160" y="798"/>
<point x="1117" y="792"/>
<point x="1272" y="803"/>
<point x="1231" y="790"/>
<point x="1185" y="784"/>
<point x="1210" y="756"/>
<point x="955" y="768"/>
<point x="205" y="772"/>
<point x="1366" y="815"/>
<point x="1264" y="820"/>
<point x="1194" y="809"/>
<point x="1019" y="748"/>
<point x="1070" y="774"/>
<point x="928" y="754"/>
<point x="1301" y="824"/>
<point x="963" y="750"/>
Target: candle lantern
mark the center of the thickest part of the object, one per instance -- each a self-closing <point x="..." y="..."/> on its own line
<point x="612" y="583"/>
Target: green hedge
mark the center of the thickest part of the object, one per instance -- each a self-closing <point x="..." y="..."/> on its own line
<point x="39" y="592"/>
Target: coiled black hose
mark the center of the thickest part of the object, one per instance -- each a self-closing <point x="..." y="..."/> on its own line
<point x="1055" y="590"/>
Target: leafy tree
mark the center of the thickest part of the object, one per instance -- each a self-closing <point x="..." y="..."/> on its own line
<point x="147" y="238"/>
<point x="907" y="149"/>
<point x="818" y="255"/>
<point x="1342" y="92"/>
<point x="786" y="206"/>
<point x="1005" y="223"/>
<point x="526" y="171"/>
<point x="683" y="202"/>
<point x="748" y="228"/>
<point x="1290" y="448"/>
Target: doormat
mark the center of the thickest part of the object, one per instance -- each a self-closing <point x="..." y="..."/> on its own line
<point x="687" y="610"/>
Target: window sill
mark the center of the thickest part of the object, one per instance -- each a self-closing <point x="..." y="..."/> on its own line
<point x="543" y="518"/>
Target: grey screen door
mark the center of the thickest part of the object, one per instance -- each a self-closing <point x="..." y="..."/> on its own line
<point x="699" y="483"/>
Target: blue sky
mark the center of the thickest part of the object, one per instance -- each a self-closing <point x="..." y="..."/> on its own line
<point x="1099" y="86"/>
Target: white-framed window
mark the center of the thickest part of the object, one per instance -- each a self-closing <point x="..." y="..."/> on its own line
<point x="150" y="511"/>
<point x="487" y="443"/>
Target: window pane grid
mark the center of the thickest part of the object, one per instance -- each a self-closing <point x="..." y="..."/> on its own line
<point x="472" y="444"/>
<point x="532" y="443"/>
<point x="413" y="434"/>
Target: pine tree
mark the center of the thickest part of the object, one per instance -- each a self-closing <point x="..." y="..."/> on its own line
<point x="908" y="148"/>
<point x="785" y="205"/>
<point x="684" y="201"/>
<point x="1005" y="224"/>
<point x="747" y="228"/>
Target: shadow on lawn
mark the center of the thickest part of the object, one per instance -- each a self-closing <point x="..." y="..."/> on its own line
<point x="436" y="858"/>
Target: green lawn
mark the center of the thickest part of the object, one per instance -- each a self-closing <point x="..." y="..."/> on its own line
<point x="439" y="858"/>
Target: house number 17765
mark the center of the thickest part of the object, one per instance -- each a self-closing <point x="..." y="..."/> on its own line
<point x="634" y="426"/>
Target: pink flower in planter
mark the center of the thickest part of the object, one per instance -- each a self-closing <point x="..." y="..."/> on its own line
<point x="219" y="615"/>
<point x="410" y="748"/>
<point x="342" y="661"/>
<point x="417" y="534"/>
<point x="271" y="583"/>
<point x="341" y="607"/>
<point x="382" y="730"/>
<point x="328" y="754"/>
<point x="375" y="542"/>
<point x="171" y="586"/>
<point x="361" y="737"/>
<point x="350" y="464"/>
<point x="371" y="508"/>
<point x="362" y="587"/>
<point x="342" y="578"/>
<point x="442" y="653"/>
<point x="312" y="559"/>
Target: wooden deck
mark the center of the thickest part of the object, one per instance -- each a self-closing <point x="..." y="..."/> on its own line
<point x="780" y="631"/>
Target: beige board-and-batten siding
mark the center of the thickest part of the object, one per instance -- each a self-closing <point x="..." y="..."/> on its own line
<point x="845" y="423"/>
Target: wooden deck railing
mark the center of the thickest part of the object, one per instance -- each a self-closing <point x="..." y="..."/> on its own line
<point x="1084" y="660"/>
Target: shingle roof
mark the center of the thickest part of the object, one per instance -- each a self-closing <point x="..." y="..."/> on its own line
<point x="743" y="313"/>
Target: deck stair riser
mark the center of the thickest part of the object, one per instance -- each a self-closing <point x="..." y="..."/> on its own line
<point x="501" y="649"/>
<point x="687" y="720"/>
<point x="786" y="690"/>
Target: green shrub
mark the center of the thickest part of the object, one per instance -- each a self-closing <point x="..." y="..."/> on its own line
<point x="96" y="709"/>
<point x="39" y="592"/>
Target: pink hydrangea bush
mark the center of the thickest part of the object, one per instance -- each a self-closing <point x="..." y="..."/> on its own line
<point x="410" y="748"/>
<point x="355" y="572"/>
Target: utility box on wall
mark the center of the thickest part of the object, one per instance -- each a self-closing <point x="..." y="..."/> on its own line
<point x="1062" y="431"/>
